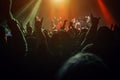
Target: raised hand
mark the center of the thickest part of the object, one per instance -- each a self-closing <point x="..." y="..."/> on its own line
<point x="18" y="41"/>
<point x="38" y="24"/>
<point x="94" y="20"/>
<point x="92" y="31"/>
<point x="63" y="27"/>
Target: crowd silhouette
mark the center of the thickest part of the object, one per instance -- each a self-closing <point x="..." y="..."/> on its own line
<point x="89" y="53"/>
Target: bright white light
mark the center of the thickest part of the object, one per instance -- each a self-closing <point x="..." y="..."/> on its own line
<point x="58" y="1"/>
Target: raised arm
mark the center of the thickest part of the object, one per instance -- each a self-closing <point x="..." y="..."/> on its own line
<point x="18" y="41"/>
<point x="92" y="31"/>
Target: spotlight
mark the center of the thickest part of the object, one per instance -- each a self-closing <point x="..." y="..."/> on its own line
<point x="58" y="1"/>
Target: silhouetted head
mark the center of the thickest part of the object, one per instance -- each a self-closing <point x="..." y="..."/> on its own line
<point x="104" y="34"/>
<point x="117" y="29"/>
<point x="3" y="36"/>
<point x="83" y="66"/>
<point x="29" y="29"/>
<point x="2" y="32"/>
<point x="4" y="9"/>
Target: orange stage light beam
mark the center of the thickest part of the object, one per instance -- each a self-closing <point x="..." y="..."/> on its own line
<point x="106" y="13"/>
<point x="59" y="8"/>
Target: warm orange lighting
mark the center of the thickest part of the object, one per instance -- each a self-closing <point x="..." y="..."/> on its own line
<point x="59" y="8"/>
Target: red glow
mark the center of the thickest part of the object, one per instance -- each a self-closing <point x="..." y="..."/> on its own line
<point x="108" y="17"/>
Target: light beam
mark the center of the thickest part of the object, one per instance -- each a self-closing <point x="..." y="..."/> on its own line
<point x="106" y="13"/>
<point x="31" y="17"/>
<point x="23" y="9"/>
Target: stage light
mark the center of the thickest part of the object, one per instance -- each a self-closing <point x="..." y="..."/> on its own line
<point x="31" y="17"/>
<point x="28" y="12"/>
<point x="23" y="9"/>
<point x="58" y="1"/>
<point x="106" y="13"/>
